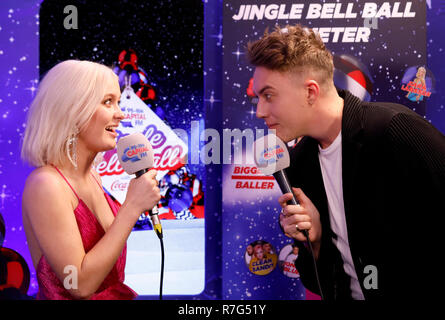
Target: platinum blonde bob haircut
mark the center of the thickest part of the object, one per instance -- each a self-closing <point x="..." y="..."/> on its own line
<point x="66" y="100"/>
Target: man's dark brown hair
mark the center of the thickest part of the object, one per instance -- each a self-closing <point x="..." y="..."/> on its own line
<point x="292" y="49"/>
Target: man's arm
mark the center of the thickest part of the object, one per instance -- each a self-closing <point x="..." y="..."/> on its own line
<point x="421" y="149"/>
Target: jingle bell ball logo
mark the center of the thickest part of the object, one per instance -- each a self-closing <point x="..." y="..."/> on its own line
<point x="271" y="155"/>
<point x="135" y="153"/>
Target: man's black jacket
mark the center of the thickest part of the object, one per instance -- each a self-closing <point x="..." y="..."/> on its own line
<point x="393" y="164"/>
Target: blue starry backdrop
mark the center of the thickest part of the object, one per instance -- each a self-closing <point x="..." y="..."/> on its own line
<point x="374" y="70"/>
<point x="231" y="224"/>
<point x="19" y="60"/>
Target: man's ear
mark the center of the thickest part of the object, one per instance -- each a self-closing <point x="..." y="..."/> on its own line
<point x="312" y="91"/>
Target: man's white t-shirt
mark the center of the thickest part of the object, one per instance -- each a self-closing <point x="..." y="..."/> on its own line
<point x="331" y="168"/>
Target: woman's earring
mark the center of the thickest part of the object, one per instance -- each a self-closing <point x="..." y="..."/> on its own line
<point x="71" y="148"/>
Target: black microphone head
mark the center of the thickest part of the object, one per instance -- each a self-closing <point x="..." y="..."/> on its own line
<point x="271" y="154"/>
<point x="135" y="153"/>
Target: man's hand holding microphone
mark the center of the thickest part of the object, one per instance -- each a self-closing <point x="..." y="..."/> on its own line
<point x="299" y="217"/>
<point x="303" y="216"/>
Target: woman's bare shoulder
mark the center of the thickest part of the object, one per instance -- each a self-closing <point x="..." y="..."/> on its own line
<point x="44" y="184"/>
<point x="43" y="177"/>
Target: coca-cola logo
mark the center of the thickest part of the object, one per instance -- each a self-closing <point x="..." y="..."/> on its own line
<point x="118" y="185"/>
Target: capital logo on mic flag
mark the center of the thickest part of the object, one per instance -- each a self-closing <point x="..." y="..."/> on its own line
<point x="271" y="155"/>
<point x="135" y="153"/>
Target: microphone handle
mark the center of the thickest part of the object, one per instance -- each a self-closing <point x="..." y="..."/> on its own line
<point x="153" y="213"/>
<point x="141" y="172"/>
<point x="282" y="180"/>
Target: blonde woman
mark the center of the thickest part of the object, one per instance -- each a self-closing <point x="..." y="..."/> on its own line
<point x="76" y="234"/>
<point x="420" y="79"/>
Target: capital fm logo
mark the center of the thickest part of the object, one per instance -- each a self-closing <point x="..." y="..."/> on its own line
<point x="135" y="153"/>
<point x="271" y="155"/>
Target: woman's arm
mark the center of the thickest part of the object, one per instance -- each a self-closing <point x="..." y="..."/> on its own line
<point x="49" y="208"/>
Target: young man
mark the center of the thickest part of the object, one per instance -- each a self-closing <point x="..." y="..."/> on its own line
<point x="370" y="176"/>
